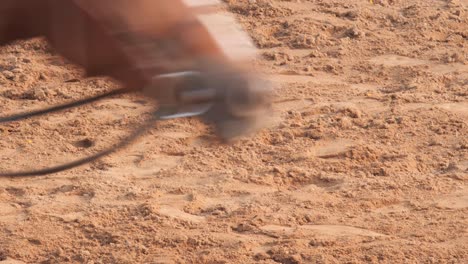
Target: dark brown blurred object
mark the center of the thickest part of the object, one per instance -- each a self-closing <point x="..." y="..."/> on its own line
<point x="160" y="48"/>
<point x="128" y="40"/>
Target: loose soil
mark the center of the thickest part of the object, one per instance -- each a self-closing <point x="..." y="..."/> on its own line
<point x="365" y="160"/>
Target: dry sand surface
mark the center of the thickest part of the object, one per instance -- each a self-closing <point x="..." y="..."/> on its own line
<point x="366" y="159"/>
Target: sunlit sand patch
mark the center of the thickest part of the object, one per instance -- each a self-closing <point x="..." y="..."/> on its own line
<point x="145" y="167"/>
<point x="284" y="230"/>
<point x="459" y="108"/>
<point x="333" y="149"/>
<point x="181" y="215"/>
<point x="318" y="78"/>
<point x="61" y="203"/>
<point x="366" y="105"/>
<point x="174" y="134"/>
<point x="395" y="60"/>
<point x="293" y="104"/>
<point x="449" y="68"/>
<point x="395" y="208"/>
<point x="454" y="201"/>
<point x="341" y="230"/>
<point x="292" y="78"/>
<point x="465" y="3"/>
<point x="321" y="80"/>
<point x="70" y="217"/>
<point x="324" y="230"/>
<point x="8" y="212"/>
<point x="463" y="165"/>
<point x="311" y="193"/>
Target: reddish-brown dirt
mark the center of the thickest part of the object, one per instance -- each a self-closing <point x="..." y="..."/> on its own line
<point x="366" y="158"/>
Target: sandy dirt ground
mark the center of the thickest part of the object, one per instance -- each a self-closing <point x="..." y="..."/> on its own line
<point x="366" y="159"/>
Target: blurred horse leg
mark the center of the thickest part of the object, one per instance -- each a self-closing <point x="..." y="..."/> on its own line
<point x="112" y="37"/>
<point x="16" y="17"/>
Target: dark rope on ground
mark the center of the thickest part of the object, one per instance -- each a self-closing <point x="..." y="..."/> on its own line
<point x="57" y="108"/>
<point x="122" y="144"/>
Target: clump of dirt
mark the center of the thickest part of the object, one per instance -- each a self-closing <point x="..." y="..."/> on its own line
<point x="258" y="8"/>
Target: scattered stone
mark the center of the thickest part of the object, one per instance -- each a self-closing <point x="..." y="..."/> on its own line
<point x="74" y="80"/>
<point x="244" y="227"/>
<point x="353" y="112"/>
<point x="346" y="123"/>
<point x="380" y="172"/>
<point x="17" y="70"/>
<point x="85" y="143"/>
<point x="464" y="145"/>
<point x="354" y="32"/>
<point x="36" y="94"/>
<point x="9" y="75"/>
<point x="42" y="77"/>
<point x="261" y="256"/>
<point x="353" y="15"/>
<point x="278" y="170"/>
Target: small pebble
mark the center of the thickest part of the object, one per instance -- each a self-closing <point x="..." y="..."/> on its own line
<point x="9" y="75"/>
